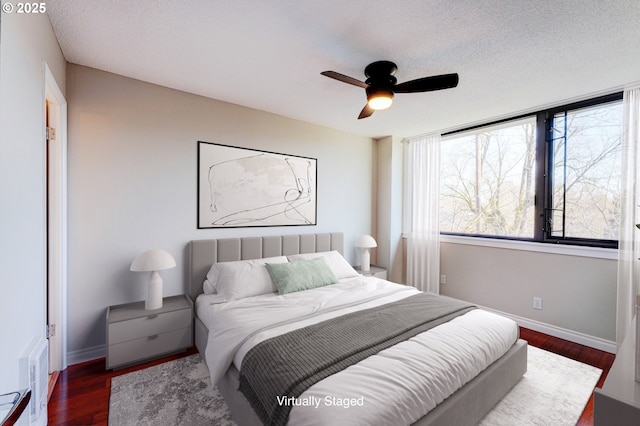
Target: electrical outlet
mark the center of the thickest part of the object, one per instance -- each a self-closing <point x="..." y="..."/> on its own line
<point x="443" y="279"/>
<point x="537" y="303"/>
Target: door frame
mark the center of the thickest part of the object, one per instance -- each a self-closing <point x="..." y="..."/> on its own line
<point x="56" y="193"/>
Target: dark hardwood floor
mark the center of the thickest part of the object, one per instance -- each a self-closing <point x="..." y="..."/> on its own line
<point x="81" y="395"/>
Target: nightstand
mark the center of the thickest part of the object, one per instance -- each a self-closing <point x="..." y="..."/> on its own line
<point x="135" y="335"/>
<point x="374" y="271"/>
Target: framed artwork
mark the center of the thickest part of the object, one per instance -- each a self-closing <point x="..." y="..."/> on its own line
<point x="242" y="187"/>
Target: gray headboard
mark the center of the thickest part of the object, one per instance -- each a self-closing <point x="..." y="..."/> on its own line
<point x="203" y="253"/>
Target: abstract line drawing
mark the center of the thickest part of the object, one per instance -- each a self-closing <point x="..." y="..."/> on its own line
<point x="242" y="187"/>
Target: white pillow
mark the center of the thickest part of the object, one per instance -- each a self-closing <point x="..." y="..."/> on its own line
<point x="208" y="287"/>
<point x="242" y="278"/>
<point x="339" y="264"/>
<point x="211" y="299"/>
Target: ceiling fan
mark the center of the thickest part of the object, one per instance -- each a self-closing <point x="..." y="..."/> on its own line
<point x="380" y="85"/>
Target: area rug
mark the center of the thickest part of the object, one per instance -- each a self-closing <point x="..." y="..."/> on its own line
<point x="552" y="393"/>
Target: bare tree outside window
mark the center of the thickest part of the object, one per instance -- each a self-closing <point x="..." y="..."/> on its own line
<point x="586" y="176"/>
<point x="488" y="181"/>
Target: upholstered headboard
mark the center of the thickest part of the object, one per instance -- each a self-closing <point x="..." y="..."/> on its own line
<point x="203" y="253"/>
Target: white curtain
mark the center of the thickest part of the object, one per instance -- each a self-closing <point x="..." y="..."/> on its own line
<point x="423" y="190"/>
<point x="629" y="241"/>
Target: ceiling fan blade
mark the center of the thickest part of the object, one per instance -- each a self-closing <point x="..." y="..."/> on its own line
<point x="344" y="78"/>
<point x="427" y="84"/>
<point x="366" y="112"/>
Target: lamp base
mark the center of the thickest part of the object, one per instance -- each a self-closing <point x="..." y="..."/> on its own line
<point x="366" y="260"/>
<point x="154" y="292"/>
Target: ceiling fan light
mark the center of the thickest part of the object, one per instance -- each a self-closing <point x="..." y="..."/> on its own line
<point x="381" y="99"/>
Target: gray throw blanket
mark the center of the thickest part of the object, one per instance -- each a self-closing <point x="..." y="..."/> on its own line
<point x="286" y="365"/>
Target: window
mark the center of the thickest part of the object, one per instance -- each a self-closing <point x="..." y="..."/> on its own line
<point x="553" y="176"/>
<point x="584" y="150"/>
<point x="487" y="180"/>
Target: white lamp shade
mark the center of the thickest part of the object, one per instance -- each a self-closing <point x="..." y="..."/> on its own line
<point x="153" y="260"/>
<point x="366" y="241"/>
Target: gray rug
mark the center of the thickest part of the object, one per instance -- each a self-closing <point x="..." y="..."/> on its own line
<point x="174" y="393"/>
<point x="552" y="393"/>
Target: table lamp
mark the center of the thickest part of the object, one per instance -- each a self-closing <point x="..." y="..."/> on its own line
<point x="153" y="261"/>
<point x="366" y="242"/>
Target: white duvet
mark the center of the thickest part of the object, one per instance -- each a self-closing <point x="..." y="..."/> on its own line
<point x="397" y="386"/>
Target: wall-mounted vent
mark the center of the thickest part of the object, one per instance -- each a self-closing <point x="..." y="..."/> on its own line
<point x="34" y="374"/>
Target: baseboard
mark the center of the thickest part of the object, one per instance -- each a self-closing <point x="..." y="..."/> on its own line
<point x="53" y="379"/>
<point x="84" y="355"/>
<point x="562" y="333"/>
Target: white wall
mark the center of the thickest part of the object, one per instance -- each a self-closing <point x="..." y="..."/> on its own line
<point x="389" y="207"/>
<point x="579" y="293"/>
<point x="132" y="152"/>
<point x="27" y="43"/>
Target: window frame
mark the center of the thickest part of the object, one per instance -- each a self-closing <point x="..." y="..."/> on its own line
<point x="543" y="191"/>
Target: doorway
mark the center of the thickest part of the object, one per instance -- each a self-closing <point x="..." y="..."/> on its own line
<point x="55" y="118"/>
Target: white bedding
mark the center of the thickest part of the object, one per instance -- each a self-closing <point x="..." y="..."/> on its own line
<point x="397" y="386"/>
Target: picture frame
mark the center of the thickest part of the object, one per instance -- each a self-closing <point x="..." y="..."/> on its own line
<point x="245" y="187"/>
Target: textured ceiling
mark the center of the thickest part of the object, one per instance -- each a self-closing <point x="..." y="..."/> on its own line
<point x="511" y="55"/>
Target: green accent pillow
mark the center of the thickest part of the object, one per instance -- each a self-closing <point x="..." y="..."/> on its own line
<point x="301" y="275"/>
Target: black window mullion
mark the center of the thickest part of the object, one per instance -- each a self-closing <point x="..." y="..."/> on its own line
<point x="564" y="175"/>
<point x="549" y="160"/>
<point x="541" y="176"/>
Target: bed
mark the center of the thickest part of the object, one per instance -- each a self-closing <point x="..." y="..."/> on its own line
<point x="468" y="403"/>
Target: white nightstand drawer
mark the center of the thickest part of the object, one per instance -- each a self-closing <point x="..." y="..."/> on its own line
<point x="135" y="334"/>
<point x="137" y="328"/>
<point x="135" y="350"/>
